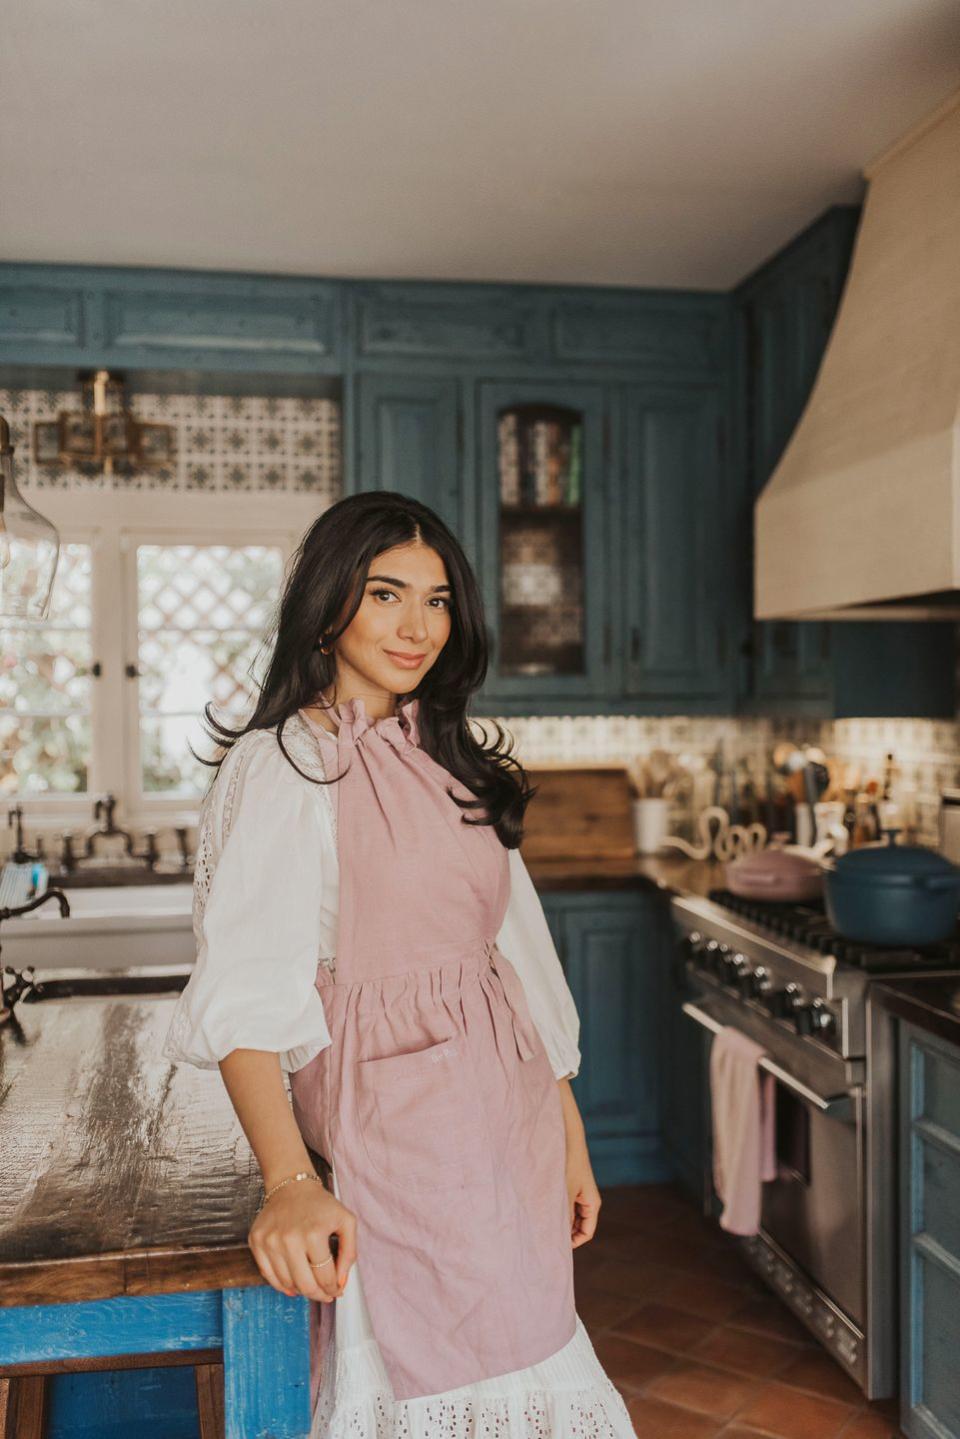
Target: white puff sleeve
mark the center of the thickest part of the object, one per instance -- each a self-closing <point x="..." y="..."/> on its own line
<point x="259" y="933"/>
<point x="526" y="941"/>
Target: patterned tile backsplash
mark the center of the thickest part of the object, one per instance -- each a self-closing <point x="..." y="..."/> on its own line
<point x="221" y="442"/>
<point x="926" y="752"/>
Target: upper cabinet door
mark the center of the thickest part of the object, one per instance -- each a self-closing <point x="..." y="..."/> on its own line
<point x="407" y="440"/>
<point x="673" y="545"/>
<point x="543" y="499"/>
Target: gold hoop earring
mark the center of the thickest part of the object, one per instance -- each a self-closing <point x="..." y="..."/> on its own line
<point x="324" y="649"/>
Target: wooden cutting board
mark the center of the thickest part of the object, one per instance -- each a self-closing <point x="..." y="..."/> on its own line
<point x="581" y="812"/>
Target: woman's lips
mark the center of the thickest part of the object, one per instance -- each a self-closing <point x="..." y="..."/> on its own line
<point x="407" y="662"/>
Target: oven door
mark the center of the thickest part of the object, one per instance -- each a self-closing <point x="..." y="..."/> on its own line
<point x="814" y="1211"/>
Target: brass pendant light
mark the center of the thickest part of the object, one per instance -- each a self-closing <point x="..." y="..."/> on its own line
<point x="29" y="547"/>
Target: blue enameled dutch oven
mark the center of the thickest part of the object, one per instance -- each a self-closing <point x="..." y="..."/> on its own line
<point x="893" y="894"/>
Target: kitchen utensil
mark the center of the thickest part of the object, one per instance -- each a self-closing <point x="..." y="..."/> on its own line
<point x="816" y="782"/>
<point x="894" y="894"/>
<point x="775" y="873"/>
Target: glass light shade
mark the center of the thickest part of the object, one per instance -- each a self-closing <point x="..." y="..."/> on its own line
<point x="29" y="547"/>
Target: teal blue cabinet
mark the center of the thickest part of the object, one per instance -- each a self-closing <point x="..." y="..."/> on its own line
<point x="784" y="314"/>
<point x="613" y="951"/>
<point x="673" y="550"/>
<point x="407" y="439"/>
<point x="544" y="544"/>
<point x="168" y="319"/>
<point x="929" y="1235"/>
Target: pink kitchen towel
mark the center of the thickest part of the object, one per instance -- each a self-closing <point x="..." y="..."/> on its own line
<point x="742" y="1098"/>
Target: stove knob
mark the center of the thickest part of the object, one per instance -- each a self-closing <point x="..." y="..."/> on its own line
<point x="784" y="1002"/>
<point x="814" y="1018"/>
<point x="738" y="968"/>
<point x="744" y="979"/>
<point x="760" y="982"/>
<point x="715" y="953"/>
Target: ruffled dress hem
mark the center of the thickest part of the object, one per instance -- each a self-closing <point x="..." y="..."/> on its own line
<point x="566" y="1396"/>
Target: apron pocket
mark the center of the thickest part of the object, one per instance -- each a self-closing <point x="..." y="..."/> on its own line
<point x="417" y="1114"/>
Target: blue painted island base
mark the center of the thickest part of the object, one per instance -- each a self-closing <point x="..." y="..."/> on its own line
<point x="248" y="1349"/>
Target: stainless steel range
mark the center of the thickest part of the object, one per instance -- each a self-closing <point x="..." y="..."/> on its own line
<point x="826" y="1243"/>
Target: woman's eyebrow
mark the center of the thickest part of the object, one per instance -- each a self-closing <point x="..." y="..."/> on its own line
<point x="401" y="584"/>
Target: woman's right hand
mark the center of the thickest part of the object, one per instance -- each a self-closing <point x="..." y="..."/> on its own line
<point x="293" y="1228"/>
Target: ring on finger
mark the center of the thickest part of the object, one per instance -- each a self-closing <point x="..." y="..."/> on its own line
<point x="320" y="1262"/>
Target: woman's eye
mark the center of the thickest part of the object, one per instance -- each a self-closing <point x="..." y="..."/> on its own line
<point x="442" y="599"/>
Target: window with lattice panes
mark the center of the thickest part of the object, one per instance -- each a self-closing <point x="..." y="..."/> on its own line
<point x="46" y="685"/>
<point x="204" y="614"/>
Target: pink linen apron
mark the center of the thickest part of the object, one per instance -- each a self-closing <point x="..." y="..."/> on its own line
<point x="435" y="1101"/>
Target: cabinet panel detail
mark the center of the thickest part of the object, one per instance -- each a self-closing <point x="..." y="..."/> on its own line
<point x="674" y="543"/>
<point x="408" y="439"/>
<point x="33" y="317"/>
<point x="162" y="319"/>
<point x="621" y="331"/>
<point x="484" y="327"/>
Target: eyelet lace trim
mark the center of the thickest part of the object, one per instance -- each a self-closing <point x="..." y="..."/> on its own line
<point x="568" y="1396"/>
<point x="218" y="804"/>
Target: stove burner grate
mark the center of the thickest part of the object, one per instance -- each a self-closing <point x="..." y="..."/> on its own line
<point x="807" y="924"/>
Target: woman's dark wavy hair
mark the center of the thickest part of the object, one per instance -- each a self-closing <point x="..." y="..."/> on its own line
<point x="327" y="580"/>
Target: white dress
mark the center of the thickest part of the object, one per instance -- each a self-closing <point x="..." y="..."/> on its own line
<point x="264" y="914"/>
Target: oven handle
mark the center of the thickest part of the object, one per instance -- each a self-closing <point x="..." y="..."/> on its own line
<point x="840" y="1107"/>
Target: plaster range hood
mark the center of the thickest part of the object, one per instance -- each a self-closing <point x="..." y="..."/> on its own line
<point x="861" y="518"/>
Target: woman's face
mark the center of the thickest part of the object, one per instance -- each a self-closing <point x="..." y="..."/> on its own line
<point x="405" y="611"/>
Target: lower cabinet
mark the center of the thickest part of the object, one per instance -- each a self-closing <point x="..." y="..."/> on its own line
<point x="929" y="1235"/>
<point x="613" y="947"/>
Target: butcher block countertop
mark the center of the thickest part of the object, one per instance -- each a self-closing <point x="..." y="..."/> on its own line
<point x="930" y="1002"/>
<point x="673" y="873"/>
<point x="120" y="1173"/>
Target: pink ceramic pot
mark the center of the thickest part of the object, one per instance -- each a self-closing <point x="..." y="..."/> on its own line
<point x="775" y="874"/>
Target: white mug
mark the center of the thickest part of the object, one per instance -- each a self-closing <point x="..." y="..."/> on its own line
<point x="650" y="817"/>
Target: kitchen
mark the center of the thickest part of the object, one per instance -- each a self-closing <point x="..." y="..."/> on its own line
<point x="700" y="448"/>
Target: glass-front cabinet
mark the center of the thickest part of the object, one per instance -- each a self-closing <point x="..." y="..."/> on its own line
<point x="543" y="498"/>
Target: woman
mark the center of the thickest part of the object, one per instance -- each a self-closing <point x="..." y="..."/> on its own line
<point x="357" y="868"/>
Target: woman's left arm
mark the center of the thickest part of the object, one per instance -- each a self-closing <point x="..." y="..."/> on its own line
<point x="581" y="1186"/>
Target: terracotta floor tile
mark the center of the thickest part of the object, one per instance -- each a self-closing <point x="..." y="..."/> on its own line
<point x="704" y="1296"/>
<point x="716" y="1392"/>
<point x="588" y="1258"/>
<point x="642" y="1204"/>
<point x="653" y="1420"/>
<point x="628" y="1363"/>
<point x="815" y="1370"/>
<point x="638" y="1280"/>
<point x="688" y="1223"/>
<point x="870" y="1425"/>
<point x="755" y="1355"/>
<point x="664" y="1328"/>
<point x="600" y="1310"/>
<point x="794" y="1414"/>
<point x="767" y="1315"/>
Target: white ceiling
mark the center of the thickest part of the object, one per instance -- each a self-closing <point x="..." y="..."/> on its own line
<point x="617" y="142"/>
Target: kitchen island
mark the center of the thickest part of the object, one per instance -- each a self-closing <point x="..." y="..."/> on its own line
<point x="127" y="1189"/>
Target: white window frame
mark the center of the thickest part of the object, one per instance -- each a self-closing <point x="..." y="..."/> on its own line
<point x="113" y="523"/>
